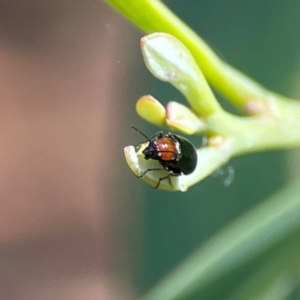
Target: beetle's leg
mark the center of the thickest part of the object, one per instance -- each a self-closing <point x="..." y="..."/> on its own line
<point x="157" y="135"/>
<point x="160" y="135"/>
<point x="148" y="170"/>
<point x="163" y="178"/>
<point x="167" y="177"/>
<point x="160" y="179"/>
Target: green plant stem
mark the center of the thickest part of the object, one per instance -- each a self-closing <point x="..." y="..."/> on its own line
<point x="251" y="134"/>
<point x="153" y="16"/>
<point x="276" y="126"/>
<point x="242" y="135"/>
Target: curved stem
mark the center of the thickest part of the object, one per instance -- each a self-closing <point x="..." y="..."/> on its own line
<point x="153" y="16"/>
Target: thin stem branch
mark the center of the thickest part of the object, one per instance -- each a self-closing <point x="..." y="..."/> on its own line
<point x="153" y="16"/>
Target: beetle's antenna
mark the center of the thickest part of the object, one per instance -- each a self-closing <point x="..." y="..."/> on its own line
<point x="143" y="134"/>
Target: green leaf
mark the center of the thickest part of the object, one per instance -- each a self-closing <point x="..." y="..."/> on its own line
<point x="244" y="261"/>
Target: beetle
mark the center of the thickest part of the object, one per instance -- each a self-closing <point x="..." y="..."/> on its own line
<point x="176" y="154"/>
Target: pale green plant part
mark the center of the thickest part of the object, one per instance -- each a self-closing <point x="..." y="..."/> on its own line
<point x="271" y="121"/>
<point x="256" y="257"/>
<point x="170" y="61"/>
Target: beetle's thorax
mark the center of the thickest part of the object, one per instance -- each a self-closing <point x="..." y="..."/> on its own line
<point x="163" y="149"/>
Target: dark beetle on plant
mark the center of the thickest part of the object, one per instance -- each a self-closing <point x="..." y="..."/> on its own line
<point x="175" y="153"/>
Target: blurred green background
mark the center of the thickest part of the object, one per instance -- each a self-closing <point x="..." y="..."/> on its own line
<point x="260" y="38"/>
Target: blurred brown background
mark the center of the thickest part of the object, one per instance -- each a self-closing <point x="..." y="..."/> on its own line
<point x="63" y="226"/>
